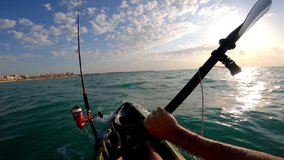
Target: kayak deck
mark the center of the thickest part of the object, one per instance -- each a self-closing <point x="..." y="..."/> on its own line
<point x="127" y="138"/>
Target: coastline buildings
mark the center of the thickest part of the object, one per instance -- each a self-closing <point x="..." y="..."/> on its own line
<point x="40" y="77"/>
<point x="14" y="77"/>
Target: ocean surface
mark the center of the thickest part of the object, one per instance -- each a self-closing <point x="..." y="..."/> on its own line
<point x="246" y="110"/>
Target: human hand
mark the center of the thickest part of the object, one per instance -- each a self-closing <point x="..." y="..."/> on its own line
<point x="161" y="124"/>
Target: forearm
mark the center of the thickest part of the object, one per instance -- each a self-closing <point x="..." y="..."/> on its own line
<point x="209" y="149"/>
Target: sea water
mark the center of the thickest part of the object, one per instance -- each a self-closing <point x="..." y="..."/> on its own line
<point x="246" y="110"/>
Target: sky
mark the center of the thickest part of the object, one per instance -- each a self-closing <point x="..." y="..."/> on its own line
<point x="39" y="36"/>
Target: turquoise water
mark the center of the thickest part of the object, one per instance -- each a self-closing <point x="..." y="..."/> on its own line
<point x="246" y="110"/>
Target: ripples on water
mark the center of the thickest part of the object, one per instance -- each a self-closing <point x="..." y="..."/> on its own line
<point x="246" y="110"/>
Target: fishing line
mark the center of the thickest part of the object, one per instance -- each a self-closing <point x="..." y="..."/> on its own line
<point x="202" y="100"/>
<point x="202" y="103"/>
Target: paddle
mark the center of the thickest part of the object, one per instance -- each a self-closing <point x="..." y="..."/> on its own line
<point x="258" y="10"/>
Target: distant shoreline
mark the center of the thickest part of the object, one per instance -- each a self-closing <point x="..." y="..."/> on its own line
<point x="36" y="79"/>
<point x="16" y="78"/>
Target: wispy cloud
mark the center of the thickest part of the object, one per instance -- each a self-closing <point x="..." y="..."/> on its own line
<point x="192" y="50"/>
<point x="61" y="53"/>
<point x="6" y="46"/>
<point x="14" y="58"/>
<point x="214" y="10"/>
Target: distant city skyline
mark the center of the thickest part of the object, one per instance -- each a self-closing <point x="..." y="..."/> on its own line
<point x="39" y="37"/>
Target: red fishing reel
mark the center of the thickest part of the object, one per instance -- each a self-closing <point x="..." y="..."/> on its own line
<point x="80" y="119"/>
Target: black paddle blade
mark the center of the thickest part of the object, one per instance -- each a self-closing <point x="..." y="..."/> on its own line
<point x="258" y="10"/>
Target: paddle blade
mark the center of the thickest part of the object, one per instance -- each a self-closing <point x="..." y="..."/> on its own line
<point x="258" y="10"/>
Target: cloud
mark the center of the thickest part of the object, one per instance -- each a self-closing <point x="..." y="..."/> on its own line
<point x="17" y="35"/>
<point x="87" y="54"/>
<point x="56" y="31"/>
<point x="84" y="30"/>
<point x="91" y="11"/>
<point x="5" y="45"/>
<point x="61" y="53"/>
<point x="71" y="4"/>
<point x="62" y="18"/>
<point x="151" y="5"/>
<point x="214" y="10"/>
<point x="90" y="54"/>
<point x="102" y="24"/>
<point x="7" y="23"/>
<point x="66" y="23"/>
<point x="134" y="27"/>
<point x="139" y="10"/>
<point x="28" y="55"/>
<point x="25" y="22"/>
<point x="47" y="6"/>
<point x="123" y="4"/>
<point x="198" y="50"/>
<point x="35" y="34"/>
<point x="141" y="25"/>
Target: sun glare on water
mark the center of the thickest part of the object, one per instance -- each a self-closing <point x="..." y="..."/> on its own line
<point x="249" y="91"/>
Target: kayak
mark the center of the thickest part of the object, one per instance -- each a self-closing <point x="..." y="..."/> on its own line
<point x="127" y="138"/>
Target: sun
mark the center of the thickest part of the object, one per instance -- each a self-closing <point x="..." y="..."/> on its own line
<point x="258" y="36"/>
<point x="220" y="28"/>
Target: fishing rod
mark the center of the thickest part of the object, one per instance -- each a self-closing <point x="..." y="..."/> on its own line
<point x="229" y="43"/>
<point x="77" y="111"/>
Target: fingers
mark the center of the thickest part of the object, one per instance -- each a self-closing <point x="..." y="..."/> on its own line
<point x="151" y="117"/>
<point x="154" y="115"/>
<point x="160" y="109"/>
<point x="147" y="119"/>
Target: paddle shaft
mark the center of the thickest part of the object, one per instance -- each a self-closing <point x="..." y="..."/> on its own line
<point x="195" y="80"/>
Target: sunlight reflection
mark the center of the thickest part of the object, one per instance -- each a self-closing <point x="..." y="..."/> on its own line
<point x="249" y="91"/>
